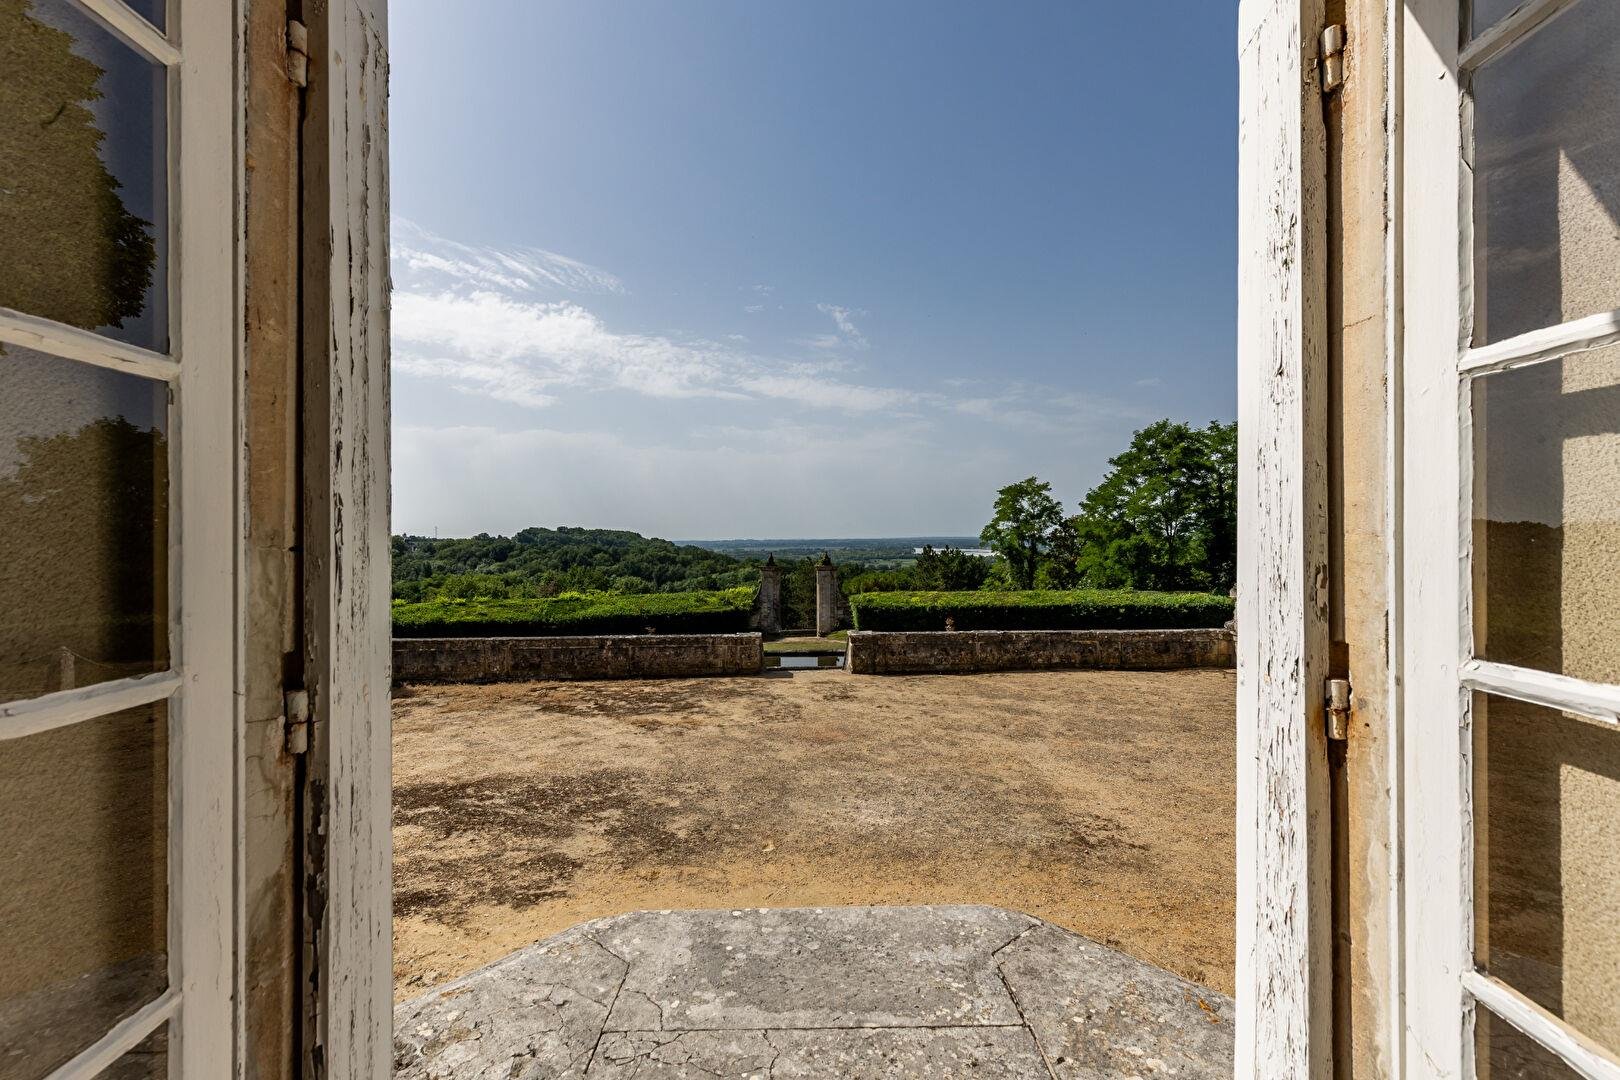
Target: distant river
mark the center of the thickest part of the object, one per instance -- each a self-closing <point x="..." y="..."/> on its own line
<point x="983" y="553"/>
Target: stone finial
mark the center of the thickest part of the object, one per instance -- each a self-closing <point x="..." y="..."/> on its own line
<point x="826" y="559"/>
<point x="770" y="561"/>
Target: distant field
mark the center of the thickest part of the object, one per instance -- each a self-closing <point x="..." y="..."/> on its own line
<point x="883" y="551"/>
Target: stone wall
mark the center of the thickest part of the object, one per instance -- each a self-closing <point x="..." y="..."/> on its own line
<point x="874" y="652"/>
<point x="609" y="656"/>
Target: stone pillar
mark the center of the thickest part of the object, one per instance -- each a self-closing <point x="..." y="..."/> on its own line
<point x="826" y="596"/>
<point x="769" y="603"/>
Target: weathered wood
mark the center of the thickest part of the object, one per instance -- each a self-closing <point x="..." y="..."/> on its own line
<point x="348" y="895"/>
<point x="1283" y="932"/>
<point x="1361" y="539"/>
<point x="271" y="601"/>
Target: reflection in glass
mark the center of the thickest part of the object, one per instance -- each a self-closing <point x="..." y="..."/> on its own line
<point x="1547" y="516"/>
<point x="82" y="167"/>
<point x="1506" y="1053"/>
<point x="84" y="481"/>
<point x="83" y="854"/>
<point x="154" y="11"/>
<point x="1487" y="13"/>
<point x="1547" y="176"/>
<point x="148" y="1061"/>
<point x="1546" y="861"/>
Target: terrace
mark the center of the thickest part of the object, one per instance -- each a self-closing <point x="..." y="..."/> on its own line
<point x="1092" y="810"/>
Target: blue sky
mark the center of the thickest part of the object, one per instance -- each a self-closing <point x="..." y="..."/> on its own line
<point x="720" y="268"/>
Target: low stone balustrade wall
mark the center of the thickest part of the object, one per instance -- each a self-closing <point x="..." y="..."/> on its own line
<point x="878" y="652"/>
<point x="608" y="656"/>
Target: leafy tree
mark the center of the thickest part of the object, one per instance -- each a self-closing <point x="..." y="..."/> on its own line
<point x="1027" y="524"/>
<point x="950" y="570"/>
<point x="1165" y="516"/>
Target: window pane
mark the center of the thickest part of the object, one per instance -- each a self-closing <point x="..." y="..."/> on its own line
<point x="1506" y="1053"/>
<point x="1547" y="516"/>
<point x="1547" y="176"/>
<point x="83" y="166"/>
<point x="1547" y="864"/>
<point x="153" y="11"/>
<point x="83" y="524"/>
<point x="83" y="855"/>
<point x="148" y="1061"/>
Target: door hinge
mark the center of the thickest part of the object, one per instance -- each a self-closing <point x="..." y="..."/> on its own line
<point x="295" y="714"/>
<point x="297" y="53"/>
<point x="1338" y="709"/>
<point x="1332" y="58"/>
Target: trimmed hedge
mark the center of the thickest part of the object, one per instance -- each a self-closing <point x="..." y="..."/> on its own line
<point x="723" y="612"/>
<point x="1080" y="609"/>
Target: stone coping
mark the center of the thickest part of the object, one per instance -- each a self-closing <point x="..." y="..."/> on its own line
<point x="883" y="652"/>
<point x="592" y="656"/>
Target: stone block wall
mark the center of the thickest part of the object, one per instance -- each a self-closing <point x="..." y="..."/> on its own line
<point x="609" y="656"/>
<point x="874" y="652"/>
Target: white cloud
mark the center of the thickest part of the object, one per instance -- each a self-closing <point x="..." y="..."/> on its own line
<point x="848" y="332"/>
<point x="432" y="260"/>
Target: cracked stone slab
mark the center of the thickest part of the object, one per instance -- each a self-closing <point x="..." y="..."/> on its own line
<point x="991" y="1053"/>
<point x="811" y="967"/>
<point x="1099" y="1014"/>
<point x="533" y="1015"/>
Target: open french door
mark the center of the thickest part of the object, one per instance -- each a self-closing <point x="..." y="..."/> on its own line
<point x="1511" y="530"/>
<point x="117" y="367"/>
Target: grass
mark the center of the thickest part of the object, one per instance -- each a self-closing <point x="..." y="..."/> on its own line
<point x="832" y="645"/>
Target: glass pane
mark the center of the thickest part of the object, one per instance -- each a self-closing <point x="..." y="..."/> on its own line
<point x="83" y="855"/>
<point x="1547" y="176"/>
<point x="1506" y="1053"/>
<point x="148" y="1061"/>
<point x="83" y="166"/>
<point x="153" y="11"/>
<point x="1546" y="860"/>
<point x="1547" y="516"/>
<point x="1487" y="13"/>
<point x="83" y="524"/>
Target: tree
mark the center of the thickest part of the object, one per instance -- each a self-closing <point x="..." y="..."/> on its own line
<point x="1028" y="522"/>
<point x="950" y="569"/>
<point x="1165" y="516"/>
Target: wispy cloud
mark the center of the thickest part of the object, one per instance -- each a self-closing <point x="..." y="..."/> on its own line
<point x="848" y="333"/>
<point x="427" y="256"/>
<point x="499" y="323"/>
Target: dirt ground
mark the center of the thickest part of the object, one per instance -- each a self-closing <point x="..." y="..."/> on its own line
<point x="1101" y="801"/>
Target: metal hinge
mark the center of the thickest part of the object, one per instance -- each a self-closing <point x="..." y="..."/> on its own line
<point x="1338" y="709"/>
<point x="295" y="714"/>
<point x="1332" y="58"/>
<point x="297" y="53"/>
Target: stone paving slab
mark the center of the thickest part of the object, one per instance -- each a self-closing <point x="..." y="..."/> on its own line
<point x="1100" y="1013"/>
<point x="811" y="968"/>
<point x="993" y="1053"/>
<point x="875" y="992"/>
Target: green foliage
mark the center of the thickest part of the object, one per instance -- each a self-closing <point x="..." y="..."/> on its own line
<point x="1165" y="516"/>
<point x="539" y="563"/>
<point x="1027" y="524"/>
<point x="1079" y="609"/>
<point x="715" y="612"/>
<point x="950" y="569"/>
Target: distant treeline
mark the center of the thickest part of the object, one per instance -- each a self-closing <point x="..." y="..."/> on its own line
<point x="539" y="563"/>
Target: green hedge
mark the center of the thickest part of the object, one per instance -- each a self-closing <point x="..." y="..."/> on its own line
<point x="1081" y="609"/>
<point x="723" y="612"/>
